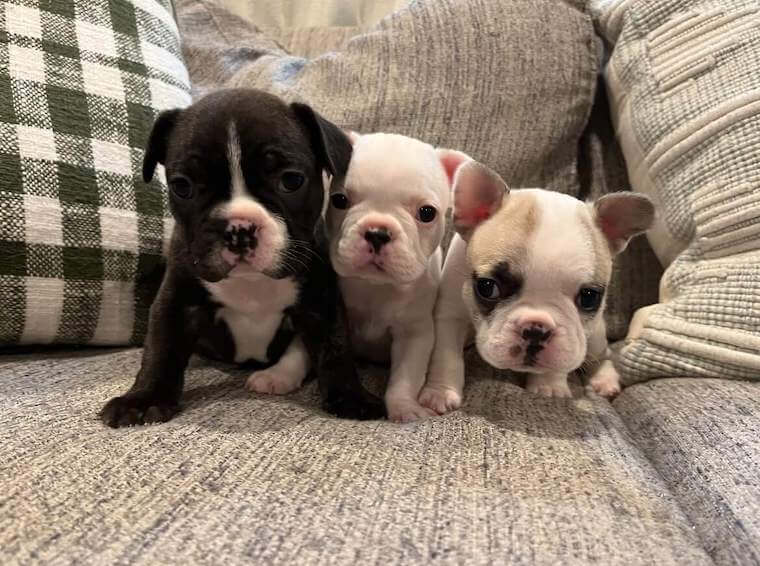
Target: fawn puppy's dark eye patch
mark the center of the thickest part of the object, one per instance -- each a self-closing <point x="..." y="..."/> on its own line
<point x="510" y="283"/>
<point x="496" y="285"/>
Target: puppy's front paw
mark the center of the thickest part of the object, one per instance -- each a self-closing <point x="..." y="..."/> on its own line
<point x="273" y="382"/>
<point x="606" y="380"/>
<point x="357" y="405"/>
<point x="137" y="408"/>
<point x="548" y="385"/>
<point x="440" y="399"/>
<point x="406" y="411"/>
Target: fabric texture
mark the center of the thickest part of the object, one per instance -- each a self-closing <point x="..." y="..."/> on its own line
<point x="305" y="14"/>
<point x="684" y="83"/>
<point x="703" y="437"/>
<point x="238" y="478"/>
<point x="510" y="84"/>
<point x="81" y="235"/>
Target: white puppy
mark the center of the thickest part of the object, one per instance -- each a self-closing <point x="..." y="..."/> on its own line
<point x="385" y="226"/>
<point x="530" y="281"/>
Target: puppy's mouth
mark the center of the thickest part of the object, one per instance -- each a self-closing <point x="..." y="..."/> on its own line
<point x="235" y="258"/>
<point x="528" y="364"/>
<point x="376" y="265"/>
<point x="524" y="358"/>
<point x="531" y="354"/>
<point x="367" y="265"/>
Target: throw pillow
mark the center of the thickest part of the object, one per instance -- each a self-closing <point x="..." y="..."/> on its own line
<point x="81" y="235"/>
<point x="684" y="83"/>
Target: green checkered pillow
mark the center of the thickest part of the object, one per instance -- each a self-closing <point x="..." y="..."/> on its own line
<point x="81" y="236"/>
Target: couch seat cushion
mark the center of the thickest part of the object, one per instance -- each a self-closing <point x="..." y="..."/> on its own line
<point x="238" y="478"/>
<point x="703" y="436"/>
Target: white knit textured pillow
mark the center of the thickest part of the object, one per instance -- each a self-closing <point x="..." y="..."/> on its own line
<point x="684" y="81"/>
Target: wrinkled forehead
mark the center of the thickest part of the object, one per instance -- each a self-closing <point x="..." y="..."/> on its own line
<point x="543" y="234"/>
<point x="395" y="167"/>
<point x="258" y="125"/>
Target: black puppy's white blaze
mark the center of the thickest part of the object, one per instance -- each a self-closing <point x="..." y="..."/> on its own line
<point x="252" y="303"/>
<point x="244" y="211"/>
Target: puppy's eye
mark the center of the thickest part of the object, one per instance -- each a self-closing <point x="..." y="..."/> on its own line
<point x="339" y="200"/>
<point x="181" y="186"/>
<point x="291" y="181"/>
<point x="426" y="213"/>
<point x="487" y="289"/>
<point x="589" y="299"/>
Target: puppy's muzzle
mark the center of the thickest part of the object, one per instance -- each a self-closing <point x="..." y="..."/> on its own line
<point x="240" y="236"/>
<point x="377" y="237"/>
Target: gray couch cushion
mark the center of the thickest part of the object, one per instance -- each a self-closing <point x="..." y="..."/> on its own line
<point x="235" y="478"/>
<point x="511" y="84"/>
<point x="703" y="436"/>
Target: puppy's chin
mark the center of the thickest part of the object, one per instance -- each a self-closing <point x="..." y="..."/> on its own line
<point x="212" y="273"/>
<point x="382" y="273"/>
<point x="222" y="264"/>
<point x="212" y="266"/>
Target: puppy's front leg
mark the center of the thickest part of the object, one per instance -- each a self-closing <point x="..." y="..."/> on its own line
<point x="286" y="375"/>
<point x="410" y="354"/>
<point x="172" y="332"/>
<point x="605" y="379"/>
<point x="552" y="384"/>
<point x="323" y="326"/>
<point x="445" y="379"/>
<point x="343" y="394"/>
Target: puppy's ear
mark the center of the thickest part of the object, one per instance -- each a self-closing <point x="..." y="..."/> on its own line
<point x="155" y="152"/>
<point x="621" y="216"/>
<point x="451" y="160"/>
<point x="330" y="143"/>
<point x="478" y="194"/>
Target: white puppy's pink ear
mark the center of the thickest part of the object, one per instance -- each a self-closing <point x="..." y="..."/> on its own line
<point x="451" y="159"/>
<point x="352" y="136"/>
<point x="478" y="194"/>
<point x="621" y="216"/>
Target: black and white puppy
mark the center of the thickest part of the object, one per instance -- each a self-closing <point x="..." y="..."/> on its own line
<point x="248" y="276"/>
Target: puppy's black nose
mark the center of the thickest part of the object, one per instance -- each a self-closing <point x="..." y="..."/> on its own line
<point x="536" y="334"/>
<point x="240" y="238"/>
<point x="377" y="237"/>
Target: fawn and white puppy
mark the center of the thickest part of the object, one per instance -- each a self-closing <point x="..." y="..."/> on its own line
<point x="530" y="281"/>
<point x="385" y="224"/>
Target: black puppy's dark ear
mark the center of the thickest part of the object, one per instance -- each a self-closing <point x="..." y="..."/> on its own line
<point x="330" y="142"/>
<point x="155" y="152"/>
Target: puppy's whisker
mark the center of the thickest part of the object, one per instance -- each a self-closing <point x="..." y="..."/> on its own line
<point x="303" y="247"/>
<point x="298" y="259"/>
<point x="291" y="257"/>
<point x="304" y="252"/>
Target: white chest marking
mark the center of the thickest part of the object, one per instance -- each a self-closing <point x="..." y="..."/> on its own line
<point x="252" y="308"/>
